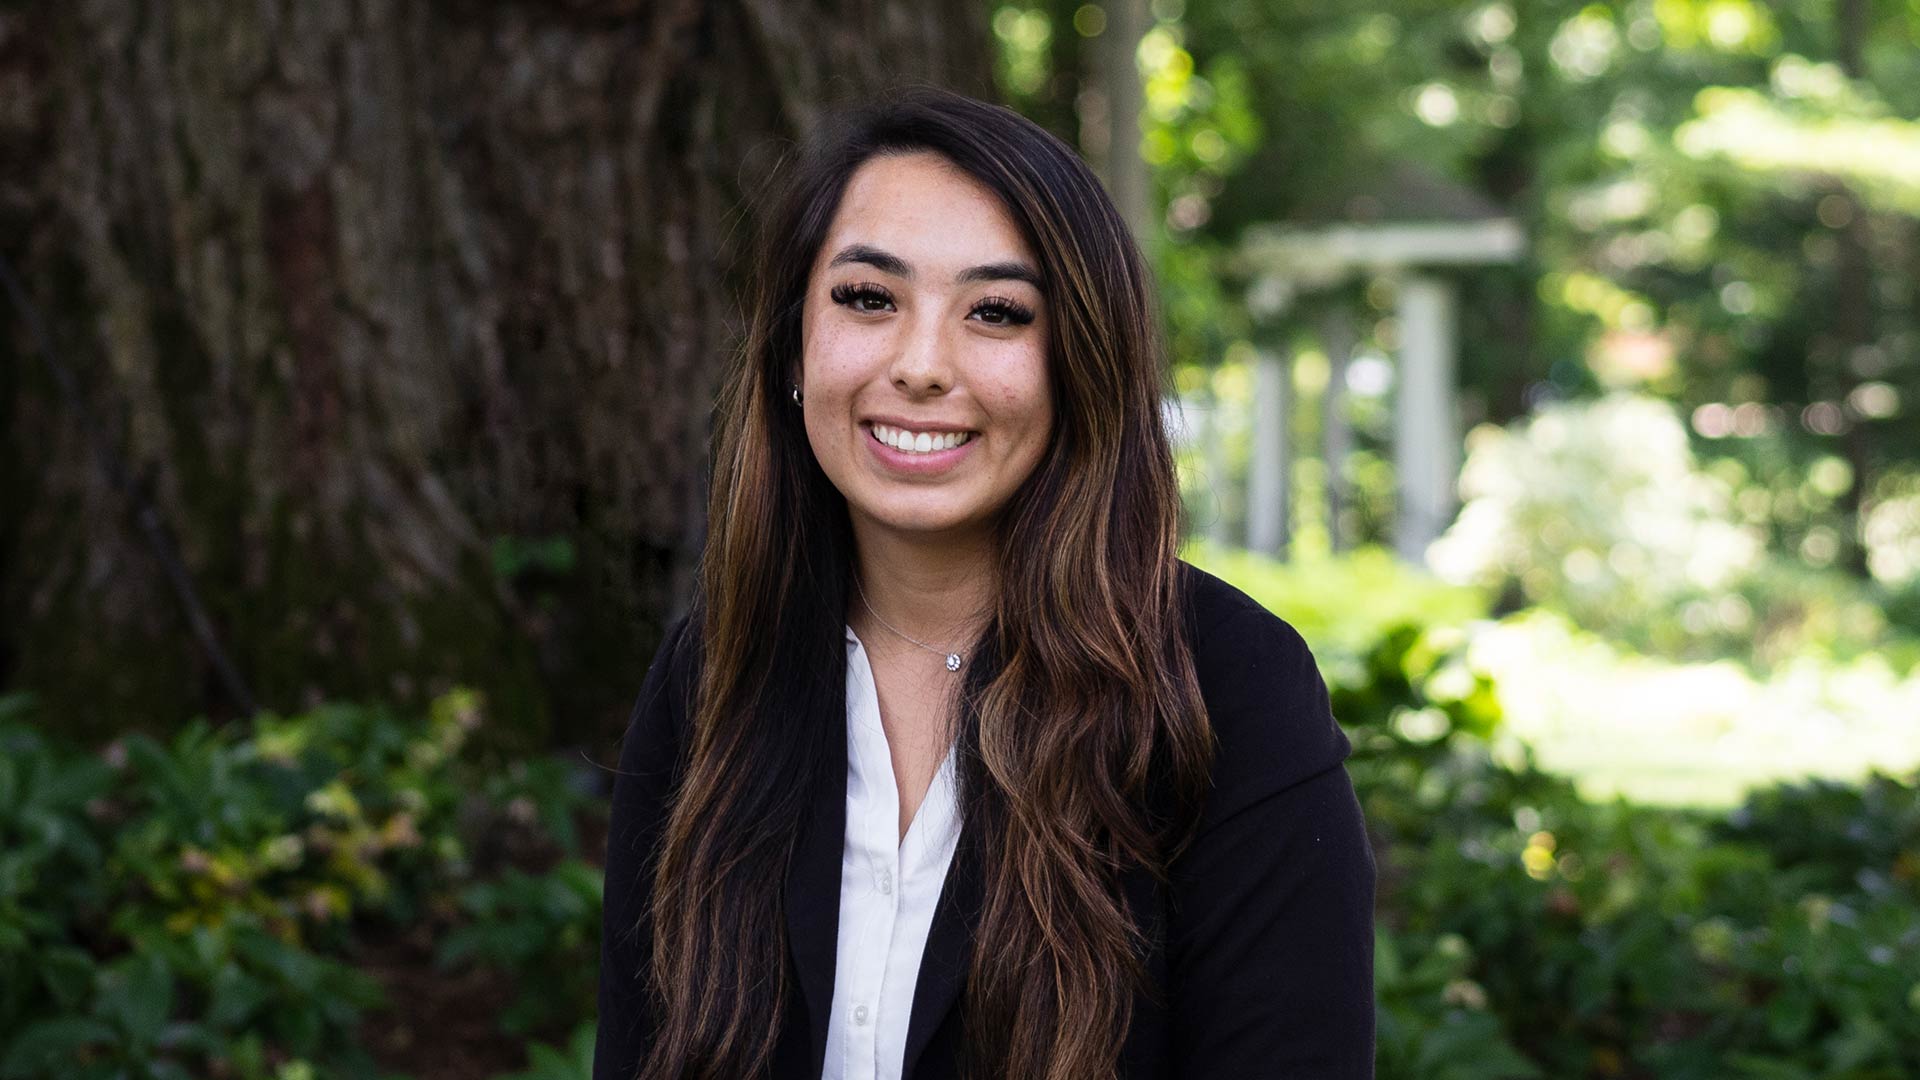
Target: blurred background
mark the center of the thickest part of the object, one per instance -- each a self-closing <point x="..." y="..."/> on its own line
<point x="1551" y="366"/>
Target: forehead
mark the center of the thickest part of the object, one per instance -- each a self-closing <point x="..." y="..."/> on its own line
<point x="924" y="209"/>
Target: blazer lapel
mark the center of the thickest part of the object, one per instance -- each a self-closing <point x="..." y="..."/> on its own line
<point x="813" y="886"/>
<point x="949" y="949"/>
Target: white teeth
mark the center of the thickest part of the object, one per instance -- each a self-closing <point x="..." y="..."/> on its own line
<point x="921" y="442"/>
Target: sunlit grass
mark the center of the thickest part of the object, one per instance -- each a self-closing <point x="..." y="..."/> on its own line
<point x="1700" y="734"/>
<point x="1617" y="722"/>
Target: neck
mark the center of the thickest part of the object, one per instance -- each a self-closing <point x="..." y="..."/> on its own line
<point x="941" y="593"/>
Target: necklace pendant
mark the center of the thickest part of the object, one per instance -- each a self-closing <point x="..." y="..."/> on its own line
<point x="953" y="661"/>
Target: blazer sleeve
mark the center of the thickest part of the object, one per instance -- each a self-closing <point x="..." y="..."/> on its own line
<point x="1271" y="933"/>
<point x="642" y="789"/>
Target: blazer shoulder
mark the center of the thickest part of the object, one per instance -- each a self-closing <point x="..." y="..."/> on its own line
<point x="1210" y="599"/>
<point x="1266" y="700"/>
<point x="1232" y="629"/>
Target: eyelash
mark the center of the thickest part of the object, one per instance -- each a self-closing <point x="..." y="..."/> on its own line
<point x="1011" y="312"/>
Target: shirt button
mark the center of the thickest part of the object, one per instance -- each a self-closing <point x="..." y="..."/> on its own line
<point x="886" y="883"/>
<point x="860" y="1014"/>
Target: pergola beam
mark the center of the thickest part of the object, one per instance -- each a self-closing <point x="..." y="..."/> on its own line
<point x="1325" y="254"/>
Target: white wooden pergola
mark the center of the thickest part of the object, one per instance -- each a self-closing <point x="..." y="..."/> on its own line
<point x="1412" y="228"/>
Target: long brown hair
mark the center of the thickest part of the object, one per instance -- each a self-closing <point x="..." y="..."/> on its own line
<point x="1082" y="742"/>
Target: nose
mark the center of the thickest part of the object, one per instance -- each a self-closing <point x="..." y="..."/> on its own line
<point x="920" y="366"/>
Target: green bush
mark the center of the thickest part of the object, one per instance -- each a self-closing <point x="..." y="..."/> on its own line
<point x="158" y="906"/>
<point x="1529" y="932"/>
<point x="193" y="908"/>
<point x="575" y="1062"/>
<point x="545" y="928"/>
<point x="1600" y="510"/>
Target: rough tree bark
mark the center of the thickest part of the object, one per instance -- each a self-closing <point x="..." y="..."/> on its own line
<point x="379" y="300"/>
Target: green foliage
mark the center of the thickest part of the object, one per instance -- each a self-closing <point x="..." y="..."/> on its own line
<point x="158" y="904"/>
<point x="1599" y="510"/>
<point x="1716" y="193"/>
<point x="514" y="556"/>
<point x="1432" y="1022"/>
<point x="1831" y="837"/>
<point x="1524" y="931"/>
<point x="544" y="928"/>
<point x="575" y="1062"/>
<point x="194" y="907"/>
<point x="1901" y="607"/>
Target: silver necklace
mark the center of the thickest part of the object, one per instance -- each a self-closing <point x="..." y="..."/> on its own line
<point x="953" y="658"/>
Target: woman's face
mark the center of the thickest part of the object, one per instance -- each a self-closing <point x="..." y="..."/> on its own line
<point x="923" y="355"/>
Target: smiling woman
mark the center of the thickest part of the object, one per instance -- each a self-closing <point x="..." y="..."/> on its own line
<point x="955" y="769"/>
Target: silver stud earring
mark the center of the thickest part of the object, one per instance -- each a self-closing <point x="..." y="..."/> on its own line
<point x="796" y="393"/>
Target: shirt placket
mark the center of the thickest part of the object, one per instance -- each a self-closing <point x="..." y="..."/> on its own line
<point x="882" y="830"/>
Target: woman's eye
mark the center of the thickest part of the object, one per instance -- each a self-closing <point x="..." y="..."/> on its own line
<point x="868" y="298"/>
<point x="1000" y="311"/>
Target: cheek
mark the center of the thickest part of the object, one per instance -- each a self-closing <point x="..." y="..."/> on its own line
<point x="1026" y="392"/>
<point x="835" y="357"/>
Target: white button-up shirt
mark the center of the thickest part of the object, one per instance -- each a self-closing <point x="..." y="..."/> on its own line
<point x="888" y="888"/>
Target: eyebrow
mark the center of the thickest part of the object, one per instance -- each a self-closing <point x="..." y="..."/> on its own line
<point x="888" y="263"/>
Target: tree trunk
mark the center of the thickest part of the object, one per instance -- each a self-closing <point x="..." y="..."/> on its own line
<point x="405" y="318"/>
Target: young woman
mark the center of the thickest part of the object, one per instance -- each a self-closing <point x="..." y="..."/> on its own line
<point x="954" y="769"/>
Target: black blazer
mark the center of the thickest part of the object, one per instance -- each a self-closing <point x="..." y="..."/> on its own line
<point x="1263" y="944"/>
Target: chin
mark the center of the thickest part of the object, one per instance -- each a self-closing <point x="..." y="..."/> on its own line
<point x="929" y="522"/>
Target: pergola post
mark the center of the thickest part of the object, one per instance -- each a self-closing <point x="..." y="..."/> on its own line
<point x="1426" y="451"/>
<point x="1267" y="478"/>
<point x="1337" y="338"/>
<point x="1215" y="456"/>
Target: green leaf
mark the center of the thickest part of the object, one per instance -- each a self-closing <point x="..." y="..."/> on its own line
<point x="68" y="973"/>
<point x="1859" y="1042"/>
<point x="1755" y="1067"/>
<point x="137" y="992"/>
<point x="1790" y="1015"/>
<point x="50" y="1046"/>
<point x="1387" y="970"/>
<point x="17" y="705"/>
<point x="235" y="997"/>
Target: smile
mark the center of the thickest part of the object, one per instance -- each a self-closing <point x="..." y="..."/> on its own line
<point x="919" y="442"/>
